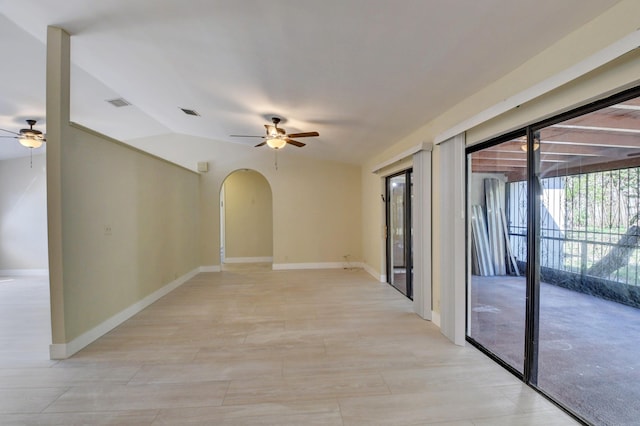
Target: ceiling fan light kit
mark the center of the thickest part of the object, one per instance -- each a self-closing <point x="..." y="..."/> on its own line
<point x="536" y="143"/>
<point x="277" y="137"/>
<point x="523" y="147"/>
<point x="29" y="138"/>
<point x="276" y="143"/>
<point x="31" y="141"/>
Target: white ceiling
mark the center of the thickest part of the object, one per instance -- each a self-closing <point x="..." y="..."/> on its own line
<point x="363" y="73"/>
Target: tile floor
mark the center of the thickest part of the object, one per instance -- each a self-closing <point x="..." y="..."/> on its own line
<point x="251" y="346"/>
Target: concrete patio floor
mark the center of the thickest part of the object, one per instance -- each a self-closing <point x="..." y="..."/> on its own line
<point x="589" y="348"/>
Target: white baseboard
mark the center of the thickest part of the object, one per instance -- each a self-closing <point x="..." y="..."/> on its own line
<point x="65" y="350"/>
<point x="267" y="259"/>
<point x="322" y="265"/>
<point x="435" y="318"/>
<point x="25" y="272"/>
<point x="212" y="268"/>
<point x="380" y="277"/>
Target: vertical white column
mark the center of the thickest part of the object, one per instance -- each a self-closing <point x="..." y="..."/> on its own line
<point x="421" y="217"/>
<point x="451" y="239"/>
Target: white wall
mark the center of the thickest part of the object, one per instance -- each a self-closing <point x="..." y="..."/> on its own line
<point x="23" y="215"/>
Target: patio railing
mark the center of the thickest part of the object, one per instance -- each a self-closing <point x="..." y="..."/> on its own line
<point x="577" y="251"/>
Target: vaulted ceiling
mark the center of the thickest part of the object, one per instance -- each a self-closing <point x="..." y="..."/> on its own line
<point x="363" y="73"/>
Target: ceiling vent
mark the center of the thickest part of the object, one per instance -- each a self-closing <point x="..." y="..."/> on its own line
<point x="119" y="102"/>
<point x="190" y="112"/>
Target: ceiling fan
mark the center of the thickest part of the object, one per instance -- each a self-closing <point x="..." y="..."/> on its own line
<point x="277" y="137"/>
<point x="30" y="138"/>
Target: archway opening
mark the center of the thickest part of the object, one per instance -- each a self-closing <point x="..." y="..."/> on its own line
<point x="246" y="220"/>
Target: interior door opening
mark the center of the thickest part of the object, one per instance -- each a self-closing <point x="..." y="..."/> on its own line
<point x="246" y="219"/>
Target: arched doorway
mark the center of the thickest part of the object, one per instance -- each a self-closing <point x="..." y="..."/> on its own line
<point x="246" y="219"/>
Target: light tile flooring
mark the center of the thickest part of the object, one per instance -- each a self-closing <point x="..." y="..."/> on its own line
<point x="251" y="346"/>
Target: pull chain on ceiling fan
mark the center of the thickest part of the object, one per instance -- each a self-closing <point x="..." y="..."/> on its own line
<point x="277" y="137"/>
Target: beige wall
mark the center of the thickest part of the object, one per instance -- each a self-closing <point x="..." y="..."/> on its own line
<point x="122" y="225"/>
<point x="130" y="226"/>
<point x="248" y="215"/>
<point x="609" y="79"/>
<point x="317" y="213"/>
<point x="373" y="223"/>
<point x="614" y="24"/>
<point x="316" y="203"/>
<point x="23" y="214"/>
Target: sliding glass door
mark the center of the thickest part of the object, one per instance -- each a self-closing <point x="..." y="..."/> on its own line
<point x="589" y="237"/>
<point x="497" y="288"/>
<point x="554" y="288"/>
<point x="399" y="254"/>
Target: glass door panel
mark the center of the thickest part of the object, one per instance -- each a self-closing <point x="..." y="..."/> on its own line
<point x="589" y="259"/>
<point x="497" y="204"/>
<point x="399" y="259"/>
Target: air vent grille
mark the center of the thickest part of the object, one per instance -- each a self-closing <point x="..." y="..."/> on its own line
<point x="190" y="112"/>
<point x="119" y="102"/>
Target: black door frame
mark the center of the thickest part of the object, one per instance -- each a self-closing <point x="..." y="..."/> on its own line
<point x="408" y="229"/>
<point x="532" y="307"/>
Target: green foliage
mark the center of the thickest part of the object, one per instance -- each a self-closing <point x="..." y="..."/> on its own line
<point x="602" y="201"/>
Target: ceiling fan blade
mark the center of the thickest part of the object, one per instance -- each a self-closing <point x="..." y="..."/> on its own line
<point x="260" y="144"/>
<point x="9" y="131"/>
<point x="245" y="136"/>
<point x="12" y="137"/>
<point x="303" y="135"/>
<point x="295" y="143"/>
